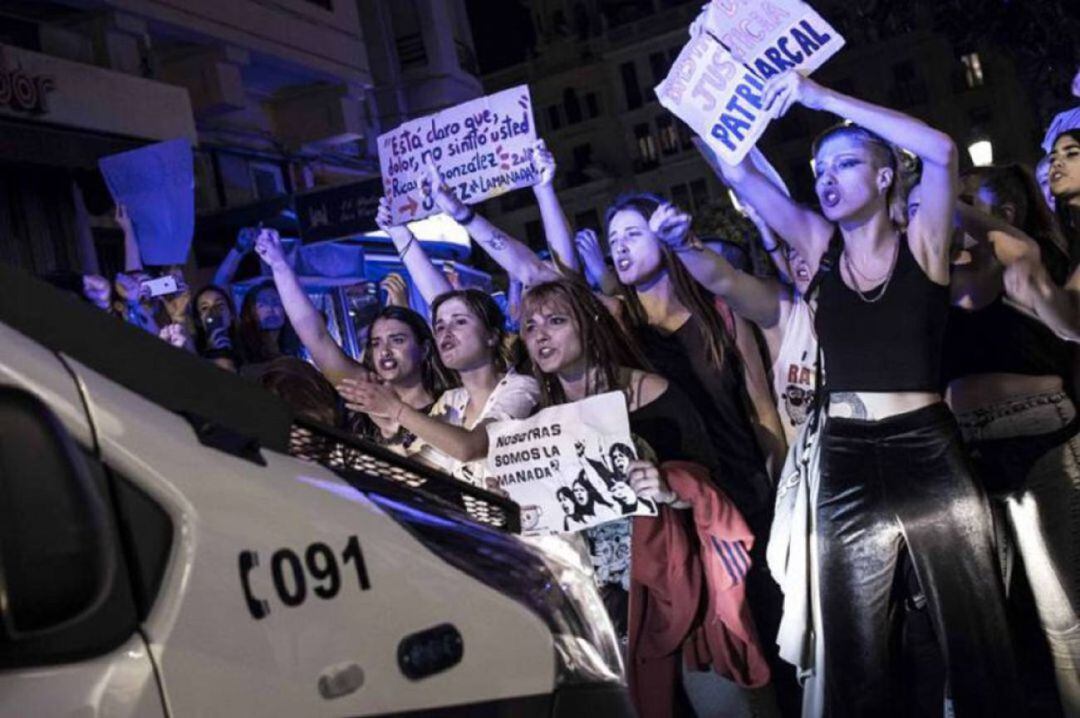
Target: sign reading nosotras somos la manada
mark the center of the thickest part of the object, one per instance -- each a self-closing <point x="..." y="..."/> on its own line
<point x="73" y="94"/>
<point x="716" y="83"/>
<point x="566" y="466"/>
<point x="482" y="147"/>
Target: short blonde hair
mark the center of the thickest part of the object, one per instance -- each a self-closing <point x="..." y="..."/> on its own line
<point x="885" y="154"/>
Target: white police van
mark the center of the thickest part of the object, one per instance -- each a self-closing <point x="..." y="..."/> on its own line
<point x="163" y="554"/>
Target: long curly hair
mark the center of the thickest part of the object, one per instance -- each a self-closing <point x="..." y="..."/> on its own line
<point x="691" y="294"/>
<point x="606" y="346"/>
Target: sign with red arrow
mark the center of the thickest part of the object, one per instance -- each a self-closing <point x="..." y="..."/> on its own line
<point x="482" y="147"/>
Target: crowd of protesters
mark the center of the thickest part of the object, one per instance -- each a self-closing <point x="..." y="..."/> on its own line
<point x="888" y="411"/>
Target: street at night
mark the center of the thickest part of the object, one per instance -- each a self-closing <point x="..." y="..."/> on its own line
<point x="539" y="358"/>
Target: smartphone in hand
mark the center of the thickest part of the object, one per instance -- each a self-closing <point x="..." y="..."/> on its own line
<point x="161" y="286"/>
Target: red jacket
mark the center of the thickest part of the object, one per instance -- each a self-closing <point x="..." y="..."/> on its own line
<point x="688" y="594"/>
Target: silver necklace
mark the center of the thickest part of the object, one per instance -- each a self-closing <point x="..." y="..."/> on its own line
<point x="883" y="287"/>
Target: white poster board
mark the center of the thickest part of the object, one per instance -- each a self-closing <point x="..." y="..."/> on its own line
<point x="566" y="465"/>
<point x="715" y="84"/>
<point x="483" y="148"/>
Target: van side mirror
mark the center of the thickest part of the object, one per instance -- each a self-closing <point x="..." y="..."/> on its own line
<point x="57" y="559"/>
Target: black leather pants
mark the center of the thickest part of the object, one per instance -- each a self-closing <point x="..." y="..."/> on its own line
<point x="884" y="484"/>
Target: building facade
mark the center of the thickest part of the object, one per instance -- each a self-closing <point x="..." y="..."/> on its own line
<point x="277" y="97"/>
<point x="595" y="64"/>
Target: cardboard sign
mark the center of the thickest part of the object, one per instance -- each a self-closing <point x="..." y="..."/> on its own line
<point x="483" y="148"/>
<point x="337" y="212"/>
<point x="715" y="84"/>
<point x="566" y="465"/>
<point x="157" y="185"/>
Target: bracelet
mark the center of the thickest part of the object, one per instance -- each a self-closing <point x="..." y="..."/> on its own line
<point x="770" y="250"/>
<point x="408" y="245"/>
<point x="690" y="243"/>
<point x="469" y="216"/>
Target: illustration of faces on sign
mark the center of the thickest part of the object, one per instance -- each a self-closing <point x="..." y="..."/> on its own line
<point x="600" y="491"/>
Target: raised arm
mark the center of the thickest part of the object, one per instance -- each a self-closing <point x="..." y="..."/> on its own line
<point x="556" y="227"/>
<point x="428" y="278"/>
<point x="1028" y="283"/>
<point x="509" y="253"/>
<point x="304" y="317"/>
<point x="930" y="231"/>
<point x="1009" y="243"/>
<point x="994" y="244"/>
<point x="597" y="271"/>
<point x="757" y="300"/>
<point x="801" y="227"/>
<point x="132" y="255"/>
<point x="775" y="248"/>
<point x="245" y="242"/>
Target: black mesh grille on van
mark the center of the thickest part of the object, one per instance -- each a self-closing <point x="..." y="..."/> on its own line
<point x="368" y="466"/>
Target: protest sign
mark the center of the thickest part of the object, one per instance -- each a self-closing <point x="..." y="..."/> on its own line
<point x="157" y="185"/>
<point x="483" y="148"/>
<point x="566" y="465"/>
<point x="715" y="84"/>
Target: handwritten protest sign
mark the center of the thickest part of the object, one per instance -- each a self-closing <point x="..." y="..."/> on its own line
<point x="566" y="466"/>
<point x="715" y="84"/>
<point x="482" y="147"/>
<point x="157" y="185"/>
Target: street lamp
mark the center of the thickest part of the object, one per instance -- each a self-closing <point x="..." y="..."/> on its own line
<point x="981" y="151"/>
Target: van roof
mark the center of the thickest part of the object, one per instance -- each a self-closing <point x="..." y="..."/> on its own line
<point x="184" y="383"/>
<point x="133" y="358"/>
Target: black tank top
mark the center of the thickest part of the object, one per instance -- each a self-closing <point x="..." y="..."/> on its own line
<point x="891" y="345"/>
<point x="720" y="398"/>
<point x="999" y="339"/>
<point x="674" y="430"/>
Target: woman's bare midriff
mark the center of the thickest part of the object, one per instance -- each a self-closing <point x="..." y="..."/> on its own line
<point x="874" y="406"/>
<point x="982" y="390"/>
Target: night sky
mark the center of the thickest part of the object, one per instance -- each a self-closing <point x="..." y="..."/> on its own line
<point x="501" y="31"/>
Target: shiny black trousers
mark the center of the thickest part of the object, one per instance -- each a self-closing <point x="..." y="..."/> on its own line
<point x="903" y="481"/>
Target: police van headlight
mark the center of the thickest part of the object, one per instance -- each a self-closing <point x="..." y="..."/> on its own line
<point x="589" y="650"/>
<point x="543" y="574"/>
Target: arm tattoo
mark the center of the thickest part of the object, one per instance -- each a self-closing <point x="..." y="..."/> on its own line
<point x="856" y="407"/>
<point x="496" y="242"/>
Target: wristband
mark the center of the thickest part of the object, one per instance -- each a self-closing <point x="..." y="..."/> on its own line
<point x="469" y="216"/>
<point x="770" y="250"/>
<point x="408" y="245"/>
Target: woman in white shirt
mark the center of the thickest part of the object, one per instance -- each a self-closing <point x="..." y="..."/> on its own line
<point x="471" y="339"/>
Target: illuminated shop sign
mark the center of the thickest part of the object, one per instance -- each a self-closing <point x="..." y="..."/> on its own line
<point x="23" y="92"/>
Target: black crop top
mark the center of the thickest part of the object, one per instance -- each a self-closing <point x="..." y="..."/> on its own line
<point x="999" y="339"/>
<point x="891" y="345"/>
